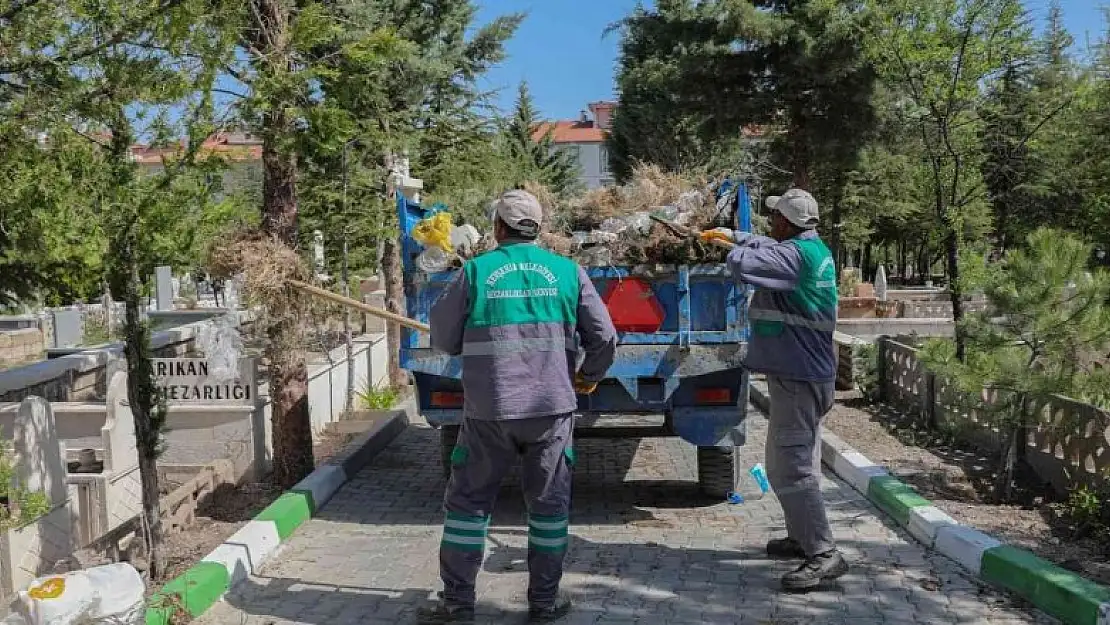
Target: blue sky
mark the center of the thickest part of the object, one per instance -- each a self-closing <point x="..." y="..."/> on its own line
<point x="560" y="51"/>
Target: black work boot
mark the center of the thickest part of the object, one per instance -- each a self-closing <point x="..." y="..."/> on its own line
<point x="549" y="613"/>
<point x="443" y="613"/>
<point x="785" y="548"/>
<point x="820" y="568"/>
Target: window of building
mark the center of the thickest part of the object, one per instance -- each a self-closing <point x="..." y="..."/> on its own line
<point x="574" y="151"/>
<point x="605" y="171"/>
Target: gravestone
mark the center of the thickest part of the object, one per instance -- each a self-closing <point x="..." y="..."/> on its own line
<point x="880" y="284"/>
<point x="69" y="328"/>
<point x="318" y="252"/>
<point x="39" y="455"/>
<point x="39" y="461"/>
<point x="120" y="444"/>
<point x="163" y="287"/>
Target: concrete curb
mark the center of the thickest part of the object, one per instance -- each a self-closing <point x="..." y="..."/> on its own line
<point x="247" y="550"/>
<point x="1061" y="593"/>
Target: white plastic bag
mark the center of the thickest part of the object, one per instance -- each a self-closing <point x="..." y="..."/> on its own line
<point x="120" y="595"/>
<point x="103" y="595"/>
<point x="464" y="238"/>
<point x="57" y="600"/>
<point x="433" y="260"/>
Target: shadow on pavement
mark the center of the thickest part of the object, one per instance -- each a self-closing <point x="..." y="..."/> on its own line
<point x="610" y="583"/>
<point x="406" y="479"/>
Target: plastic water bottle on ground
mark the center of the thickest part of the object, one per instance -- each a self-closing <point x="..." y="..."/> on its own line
<point x="752" y="485"/>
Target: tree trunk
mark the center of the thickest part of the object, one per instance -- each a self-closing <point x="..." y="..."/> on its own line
<point x="867" y="274"/>
<point x="394" y="303"/>
<point x="1004" y="481"/>
<point x="799" y="146"/>
<point x="955" y="292"/>
<point x="147" y="409"/>
<point x="293" y="456"/>
<point x="903" y="261"/>
<point x="279" y="184"/>
<point x="149" y="416"/>
<point x="271" y="34"/>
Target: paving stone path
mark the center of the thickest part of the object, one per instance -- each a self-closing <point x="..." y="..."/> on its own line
<point x="646" y="548"/>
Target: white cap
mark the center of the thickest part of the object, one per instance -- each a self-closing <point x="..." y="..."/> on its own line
<point x="797" y="206"/>
<point x="520" y="210"/>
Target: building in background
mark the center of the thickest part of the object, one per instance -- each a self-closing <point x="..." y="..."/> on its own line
<point x="585" y="139"/>
<point x="241" y="150"/>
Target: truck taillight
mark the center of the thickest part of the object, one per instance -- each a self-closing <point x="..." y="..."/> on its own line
<point x="442" y="399"/>
<point x="712" y="396"/>
<point x="633" y="307"/>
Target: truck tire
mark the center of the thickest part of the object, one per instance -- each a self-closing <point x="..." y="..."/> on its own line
<point x="448" y="436"/>
<point x="717" y="470"/>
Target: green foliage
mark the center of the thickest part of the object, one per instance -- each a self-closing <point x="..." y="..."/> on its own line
<point x="378" y="397"/>
<point x="18" y="505"/>
<point x="96" y="331"/>
<point x="693" y="75"/>
<point x="939" y="54"/>
<point x="1047" y="321"/>
<point x="865" y="371"/>
<point x="532" y="160"/>
<point x="1088" y="507"/>
<point x="394" y="78"/>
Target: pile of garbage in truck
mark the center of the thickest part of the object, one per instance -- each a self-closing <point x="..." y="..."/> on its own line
<point x="610" y="226"/>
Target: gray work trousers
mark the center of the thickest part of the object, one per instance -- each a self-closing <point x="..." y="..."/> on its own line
<point x="485" y="453"/>
<point x="794" y="458"/>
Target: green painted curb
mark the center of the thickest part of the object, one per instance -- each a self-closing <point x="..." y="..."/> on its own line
<point x="289" y="511"/>
<point x="1059" y="592"/>
<point x="311" y="500"/>
<point x="195" y="590"/>
<point x="894" y="497"/>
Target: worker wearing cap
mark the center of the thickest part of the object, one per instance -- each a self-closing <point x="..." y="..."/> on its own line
<point x="793" y="317"/>
<point x="514" y="314"/>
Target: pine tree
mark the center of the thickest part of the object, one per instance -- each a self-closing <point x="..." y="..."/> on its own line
<point x="1029" y="181"/>
<point x="695" y="74"/>
<point x="1047" y="317"/>
<point x="1010" y="166"/>
<point x="537" y="160"/>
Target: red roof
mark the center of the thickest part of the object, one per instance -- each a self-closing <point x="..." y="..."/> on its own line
<point x="232" y="146"/>
<point x="570" y="131"/>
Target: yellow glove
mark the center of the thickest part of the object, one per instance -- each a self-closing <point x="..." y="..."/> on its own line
<point x="583" y="386"/>
<point x="717" y="234"/>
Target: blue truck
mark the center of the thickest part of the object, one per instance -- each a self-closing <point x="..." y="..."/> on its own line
<point x="683" y="378"/>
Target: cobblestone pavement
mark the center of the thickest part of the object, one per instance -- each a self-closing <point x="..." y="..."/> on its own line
<point x="646" y="548"/>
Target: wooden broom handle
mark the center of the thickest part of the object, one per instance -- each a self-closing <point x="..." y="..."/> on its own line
<point x="357" y="305"/>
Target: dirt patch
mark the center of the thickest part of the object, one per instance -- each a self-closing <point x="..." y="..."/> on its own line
<point x="957" y="478"/>
<point x="220" y="516"/>
<point x="229" y="508"/>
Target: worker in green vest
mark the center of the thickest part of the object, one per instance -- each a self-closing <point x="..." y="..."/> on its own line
<point x="793" y="317"/>
<point x="520" y="317"/>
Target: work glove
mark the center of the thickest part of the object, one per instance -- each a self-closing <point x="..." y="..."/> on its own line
<point x="718" y="234"/>
<point x="582" y="386"/>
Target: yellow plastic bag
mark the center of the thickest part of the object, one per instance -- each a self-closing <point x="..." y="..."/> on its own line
<point x="435" y="231"/>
